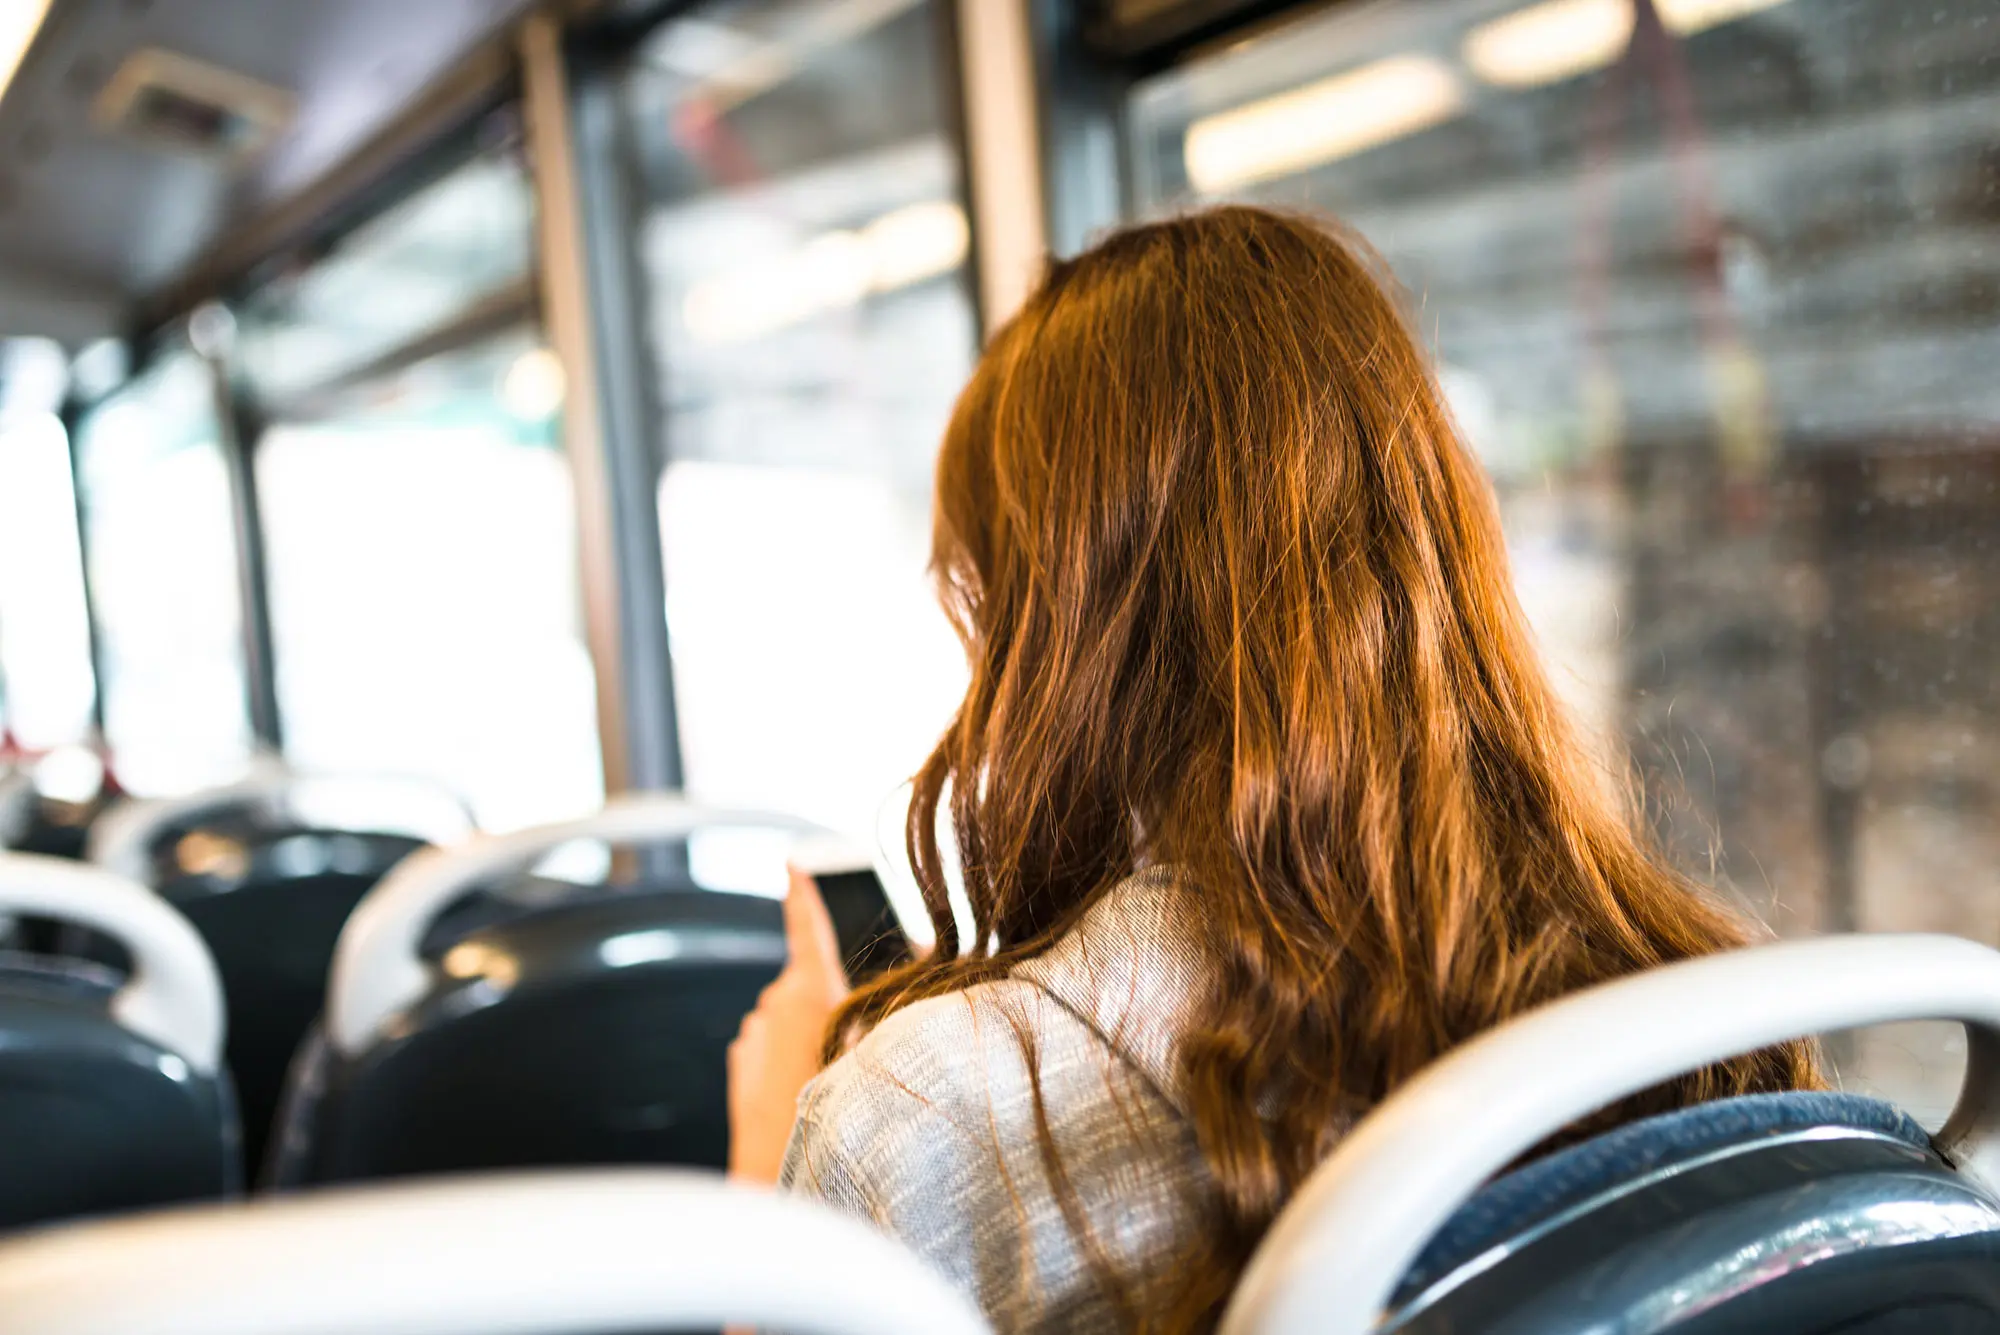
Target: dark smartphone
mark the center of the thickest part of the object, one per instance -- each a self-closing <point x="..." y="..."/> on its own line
<point x="871" y="940"/>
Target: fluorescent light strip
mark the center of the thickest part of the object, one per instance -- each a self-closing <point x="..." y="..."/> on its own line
<point x="1321" y="122"/>
<point x="20" y="20"/>
<point x="1560" y="39"/>
<point x="831" y="271"/>
<point x="1687" y="16"/>
<point x="1545" y="43"/>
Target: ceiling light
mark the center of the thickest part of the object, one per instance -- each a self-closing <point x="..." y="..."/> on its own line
<point x="1686" y="16"/>
<point x="914" y="243"/>
<point x="1560" y="39"/>
<point x="532" y="389"/>
<point x="19" y="22"/>
<point x="1545" y="43"/>
<point x="833" y="270"/>
<point x="1321" y="122"/>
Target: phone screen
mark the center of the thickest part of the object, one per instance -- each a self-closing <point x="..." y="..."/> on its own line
<point x="871" y="940"/>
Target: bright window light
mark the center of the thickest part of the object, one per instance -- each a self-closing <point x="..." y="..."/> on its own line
<point x="1560" y="39"/>
<point x="1321" y="122"/>
<point x="19" y="22"/>
<point x="813" y="668"/>
<point x="44" y="628"/>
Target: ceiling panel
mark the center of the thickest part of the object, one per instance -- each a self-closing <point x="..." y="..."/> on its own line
<point x="93" y="220"/>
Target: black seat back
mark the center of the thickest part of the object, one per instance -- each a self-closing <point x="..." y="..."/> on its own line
<point x="272" y="931"/>
<point x="590" y="1033"/>
<point x="112" y="1093"/>
<point x="1800" y="1213"/>
<point x="93" y="1118"/>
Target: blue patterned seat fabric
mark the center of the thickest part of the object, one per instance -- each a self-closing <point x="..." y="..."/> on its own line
<point x="1570" y="1177"/>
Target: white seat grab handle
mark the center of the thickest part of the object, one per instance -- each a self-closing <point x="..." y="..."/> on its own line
<point x="174" y="996"/>
<point x="122" y="838"/>
<point x="377" y="966"/>
<point x="549" y="1253"/>
<point x="1335" y="1253"/>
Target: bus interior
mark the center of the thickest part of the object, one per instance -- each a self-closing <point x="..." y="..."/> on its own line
<point x="466" y="482"/>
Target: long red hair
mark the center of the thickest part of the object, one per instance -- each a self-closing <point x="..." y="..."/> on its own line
<point x="1236" y="599"/>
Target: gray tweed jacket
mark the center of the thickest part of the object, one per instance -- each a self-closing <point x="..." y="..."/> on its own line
<point x="929" y="1126"/>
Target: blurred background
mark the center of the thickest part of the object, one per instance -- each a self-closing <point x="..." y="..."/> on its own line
<point x="541" y="399"/>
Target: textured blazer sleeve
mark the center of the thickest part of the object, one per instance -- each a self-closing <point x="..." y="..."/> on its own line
<point x="931" y="1127"/>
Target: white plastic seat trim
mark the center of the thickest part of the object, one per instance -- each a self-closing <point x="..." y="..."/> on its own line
<point x="377" y="966"/>
<point x="548" y="1253"/>
<point x="122" y="839"/>
<point x="174" y="996"/>
<point x="1334" y="1255"/>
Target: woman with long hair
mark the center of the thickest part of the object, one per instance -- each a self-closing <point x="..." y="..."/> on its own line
<point x="1260" y="796"/>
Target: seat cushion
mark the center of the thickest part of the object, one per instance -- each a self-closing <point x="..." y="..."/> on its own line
<point x="1547" y="1187"/>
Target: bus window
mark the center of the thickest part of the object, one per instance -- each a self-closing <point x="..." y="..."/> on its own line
<point x="435" y="256"/>
<point x="805" y="248"/>
<point x="160" y="539"/>
<point x="1714" y="293"/>
<point x="425" y="617"/>
<point x="419" y="531"/>
<point x="46" y="686"/>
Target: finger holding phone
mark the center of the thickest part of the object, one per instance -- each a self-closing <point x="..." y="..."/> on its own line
<point x="777" y="1050"/>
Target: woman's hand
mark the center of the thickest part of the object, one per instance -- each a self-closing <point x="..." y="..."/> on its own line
<point x="778" y="1048"/>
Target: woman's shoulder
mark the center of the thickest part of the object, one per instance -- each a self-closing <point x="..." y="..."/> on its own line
<point x="1112" y="995"/>
<point x="936" y="1058"/>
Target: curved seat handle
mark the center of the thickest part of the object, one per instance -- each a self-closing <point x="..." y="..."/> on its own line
<point x="585" y="1252"/>
<point x="121" y="840"/>
<point x="377" y="965"/>
<point x="174" y="996"/>
<point x="1333" y="1257"/>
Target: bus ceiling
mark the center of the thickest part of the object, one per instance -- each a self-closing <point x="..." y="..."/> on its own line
<point x="147" y="148"/>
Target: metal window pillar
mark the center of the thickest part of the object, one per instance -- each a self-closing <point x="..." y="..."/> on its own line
<point x="238" y="429"/>
<point x="591" y="292"/>
<point x="71" y="415"/>
<point x="1003" y="152"/>
<point x="1086" y="171"/>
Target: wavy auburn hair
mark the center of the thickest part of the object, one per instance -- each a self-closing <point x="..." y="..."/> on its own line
<point x="1236" y="599"/>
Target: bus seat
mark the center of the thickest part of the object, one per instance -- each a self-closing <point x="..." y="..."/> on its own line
<point x="111" y="1092"/>
<point x="580" y="1032"/>
<point x="1706" y="1203"/>
<point x="1811" y="1213"/>
<point x="578" y="1253"/>
<point x="268" y="871"/>
<point x="17" y="805"/>
<point x="592" y="1033"/>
